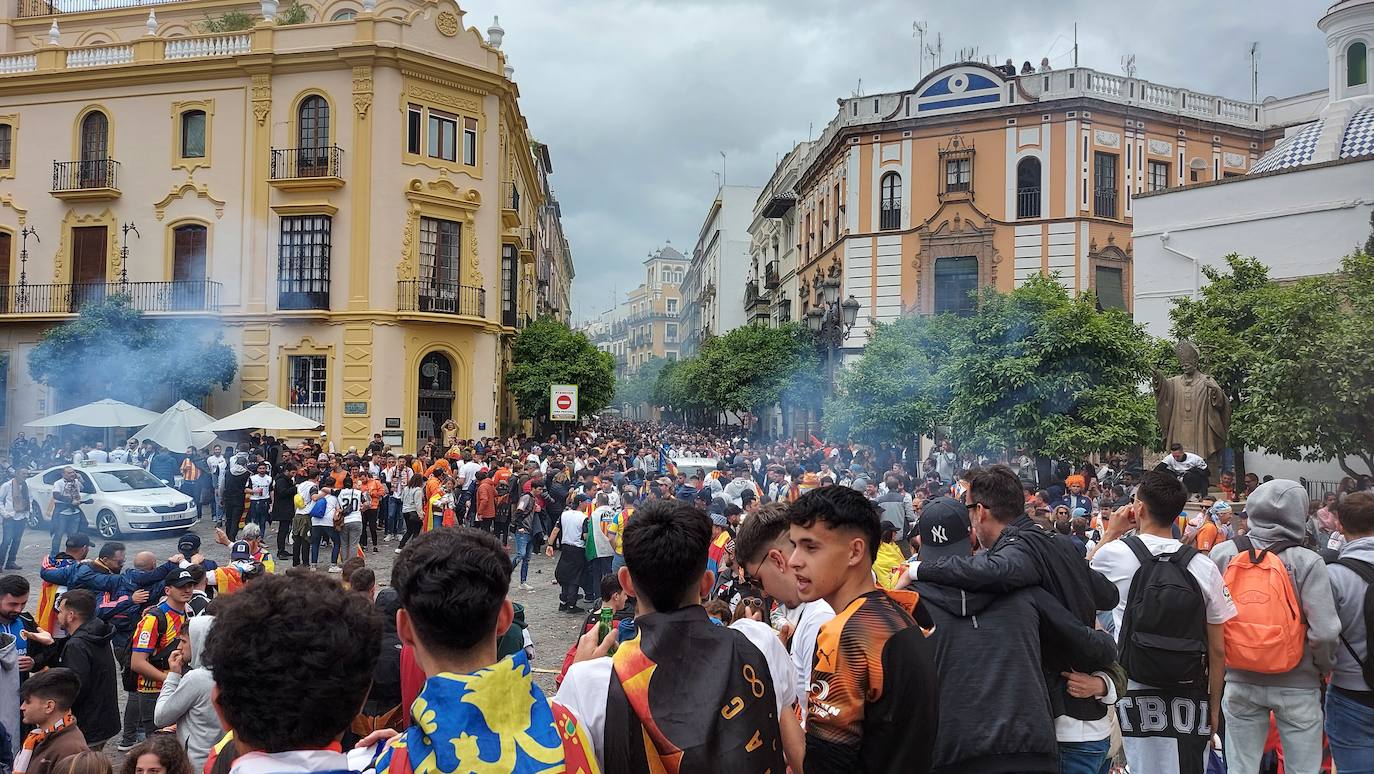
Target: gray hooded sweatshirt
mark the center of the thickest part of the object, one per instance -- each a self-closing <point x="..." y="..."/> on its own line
<point x="1349" y="590"/>
<point x="185" y="699"/>
<point x="1277" y="510"/>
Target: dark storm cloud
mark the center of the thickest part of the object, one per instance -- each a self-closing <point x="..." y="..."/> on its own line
<point x="637" y="99"/>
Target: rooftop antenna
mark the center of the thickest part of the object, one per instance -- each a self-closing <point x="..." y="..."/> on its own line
<point x="1075" y="44"/>
<point x="937" y="53"/>
<point x="859" y="90"/>
<point x="722" y="169"/>
<point x="1254" y="72"/>
<point x="1128" y="65"/>
<point x="918" y="30"/>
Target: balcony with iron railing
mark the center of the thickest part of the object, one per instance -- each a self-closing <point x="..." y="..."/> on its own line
<point x="890" y="216"/>
<point x="307" y="168"/>
<point x="510" y="205"/>
<point x="441" y="298"/>
<point x="1028" y="202"/>
<point x="32" y="8"/>
<point x="771" y="274"/>
<point x="89" y="179"/>
<point x="152" y="297"/>
<point x="313" y="411"/>
<point x="1104" y="202"/>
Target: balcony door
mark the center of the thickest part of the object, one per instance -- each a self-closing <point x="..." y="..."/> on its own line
<point x="95" y="150"/>
<point x="89" y="261"/>
<point x="312" y="141"/>
<point x="6" y="259"/>
<point x="188" y="267"/>
<point x="439" y="265"/>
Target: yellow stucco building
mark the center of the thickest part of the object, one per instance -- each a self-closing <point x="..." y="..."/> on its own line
<point x="347" y="187"/>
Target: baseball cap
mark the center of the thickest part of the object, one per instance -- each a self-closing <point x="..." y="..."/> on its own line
<point x="944" y="528"/>
<point x="240" y="550"/>
<point x="1079" y="512"/>
<point x="719" y="520"/>
<point x="79" y="540"/>
<point x="180" y="578"/>
<point x="188" y="544"/>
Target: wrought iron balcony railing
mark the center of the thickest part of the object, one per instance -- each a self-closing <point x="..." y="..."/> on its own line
<point x="303" y="163"/>
<point x="85" y="175"/>
<point x="441" y="298"/>
<point x="175" y="296"/>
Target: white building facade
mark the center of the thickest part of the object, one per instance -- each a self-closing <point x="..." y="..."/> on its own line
<point x="1302" y="208"/>
<point x="713" y="288"/>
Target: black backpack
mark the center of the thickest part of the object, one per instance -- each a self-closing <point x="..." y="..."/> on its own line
<point x="1163" y="639"/>
<point x="1366" y="572"/>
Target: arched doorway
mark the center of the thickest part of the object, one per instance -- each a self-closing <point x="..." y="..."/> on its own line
<point x="435" y="401"/>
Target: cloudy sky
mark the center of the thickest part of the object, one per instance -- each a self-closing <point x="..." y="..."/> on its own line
<point x="636" y="98"/>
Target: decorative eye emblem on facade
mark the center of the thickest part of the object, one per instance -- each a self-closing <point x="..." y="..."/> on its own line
<point x="958" y="83"/>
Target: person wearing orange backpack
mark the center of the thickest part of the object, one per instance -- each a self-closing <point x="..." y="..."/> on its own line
<point x="1281" y="645"/>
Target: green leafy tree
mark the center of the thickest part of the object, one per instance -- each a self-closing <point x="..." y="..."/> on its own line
<point x="1225" y="322"/>
<point x="113" y="350"/>
<point x="639" y="389"/>
<point x="678" y="388"/>
<point x="899" y="388"/>
<point x="1314" y="398"/>
<point x="1050" y="373"/>
<point x="752" y="367"/>
<point x="229" y="21"/>
<point x="546" y="352"/>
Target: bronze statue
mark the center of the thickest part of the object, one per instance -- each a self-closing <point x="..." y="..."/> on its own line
<point x="1192" y="409"/>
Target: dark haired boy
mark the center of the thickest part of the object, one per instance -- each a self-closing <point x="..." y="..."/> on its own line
<point x="46" y="704"/>
<point x="1177" y="744"/>
<point x="298" y="630"/>
<point x="737" y="680"/>
<point x="873" y="699"/>
<point x="475" y="712"/>
<point x="763" y="547"/>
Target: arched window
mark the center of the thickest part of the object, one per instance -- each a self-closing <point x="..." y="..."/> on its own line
<point x="890" y="201"/>
<point x="1357" y="64"/>
<point x="312" y="134"/>
<point x="1028" y="188"/>
<point x="95" y="150"/>
<point x="188" y="266"/>
<point x="193" y="134"/>
<point x="344" y="15"/>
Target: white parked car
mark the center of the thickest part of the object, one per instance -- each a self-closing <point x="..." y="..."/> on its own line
<point x="119" y="499"/>
<point x="691" y="466"/>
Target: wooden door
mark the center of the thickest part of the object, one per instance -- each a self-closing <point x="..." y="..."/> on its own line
<point x="89" y="262"/>
<point x="95" y="150"/>
<point x="6" y="259"/>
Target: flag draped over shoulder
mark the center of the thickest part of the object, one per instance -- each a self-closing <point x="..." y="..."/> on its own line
<point x="711" y="708"/>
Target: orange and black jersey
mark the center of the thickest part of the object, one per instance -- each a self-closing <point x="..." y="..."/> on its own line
<point x="873" y="699"/>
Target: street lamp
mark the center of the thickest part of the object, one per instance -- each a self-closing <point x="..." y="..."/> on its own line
<point x="830" y="322"/>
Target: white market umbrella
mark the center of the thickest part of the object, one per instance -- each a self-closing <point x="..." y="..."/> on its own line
<point x="262" y="416"/>
<point x="102" y="413"/>
<point x="179" y="428"/>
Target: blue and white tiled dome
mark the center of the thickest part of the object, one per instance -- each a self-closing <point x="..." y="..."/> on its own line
<point x="1291" y="151"/>
<point x="1359" y="134"/>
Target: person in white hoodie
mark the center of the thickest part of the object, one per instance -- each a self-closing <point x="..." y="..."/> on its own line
<point x="184" y="700"/>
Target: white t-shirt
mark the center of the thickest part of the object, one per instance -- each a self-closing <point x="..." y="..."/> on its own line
<point x="217" y="463"/>
<point x="99" y="456"/>
<point x="1189" y="461"/>
<point x="811" y="616"/>
<point x="305" y="489"/>
<point x="467" y="471"/>
<point x="1117" y="562"/>
<point x="119" y="455"/>
<point x="354" y="498"/>
<point x="584" y="688"/>
<point x="261" y="486"/>
<point x="570" y="528"/>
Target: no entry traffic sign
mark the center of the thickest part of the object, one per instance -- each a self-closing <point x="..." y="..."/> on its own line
<point x="563" y="402"/>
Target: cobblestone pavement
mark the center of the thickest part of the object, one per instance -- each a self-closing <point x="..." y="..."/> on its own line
<point x="551" y="630"/>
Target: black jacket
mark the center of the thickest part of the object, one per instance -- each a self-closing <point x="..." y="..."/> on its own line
<point x="1026" y="555"/>
<point x="988" y="654"/>
<point x="87" y="652"/>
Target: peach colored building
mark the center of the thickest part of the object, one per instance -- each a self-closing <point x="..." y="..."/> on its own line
<point x="977" y="178"/>
<point x="345" y="187"/>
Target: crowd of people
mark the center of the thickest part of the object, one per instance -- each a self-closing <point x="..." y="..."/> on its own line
<point x="813" y="607"/>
